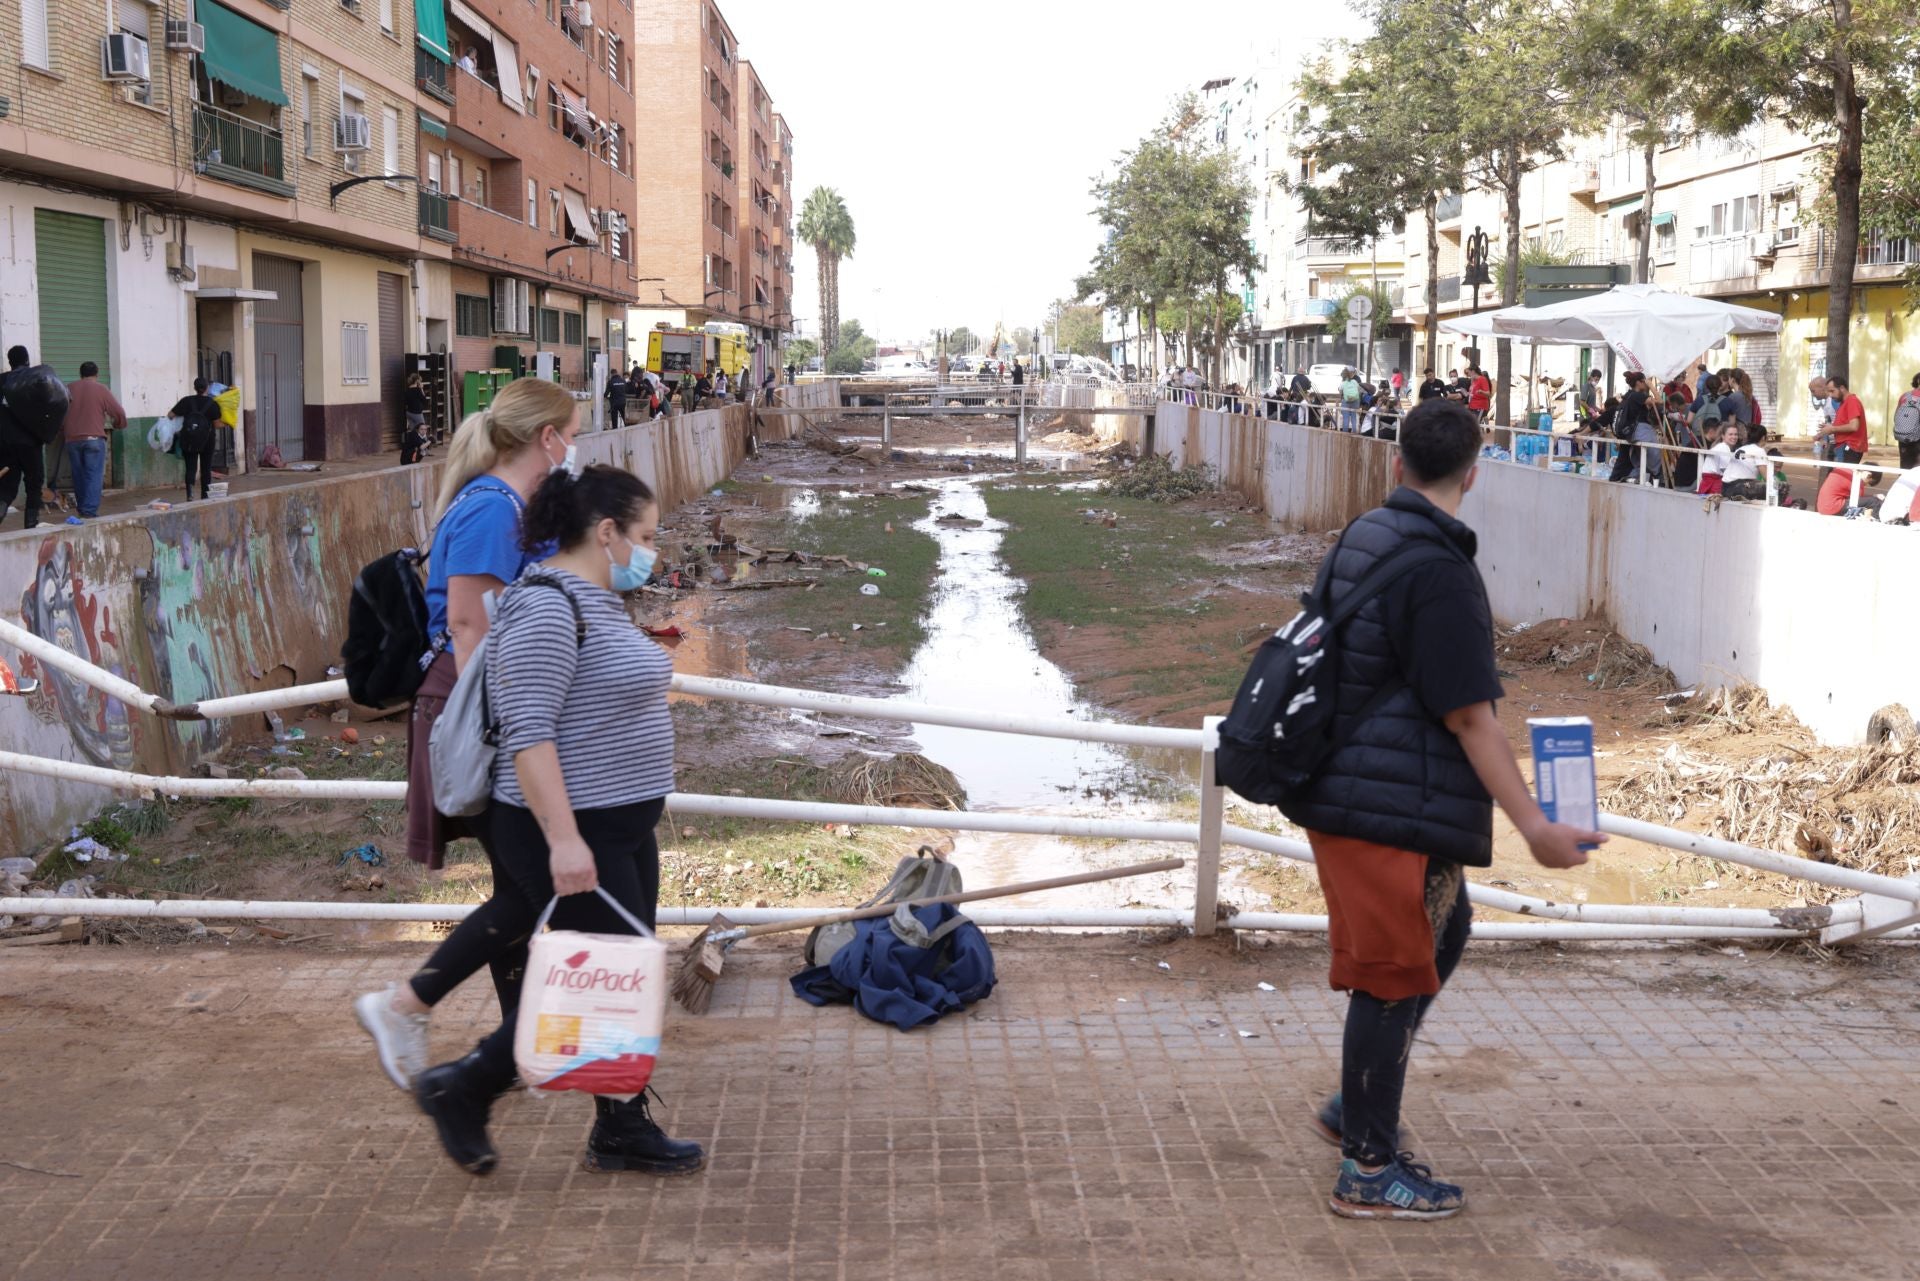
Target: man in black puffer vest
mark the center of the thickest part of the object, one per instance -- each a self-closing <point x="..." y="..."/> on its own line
<point x="1406" y="801"/>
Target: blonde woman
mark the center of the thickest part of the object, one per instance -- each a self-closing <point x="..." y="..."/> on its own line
<point x="498" y="458"/>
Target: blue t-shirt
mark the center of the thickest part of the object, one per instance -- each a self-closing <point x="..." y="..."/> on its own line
<point x="480" y="534"/>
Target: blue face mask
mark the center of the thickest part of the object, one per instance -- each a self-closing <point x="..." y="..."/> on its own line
<point x="633" y="575"/>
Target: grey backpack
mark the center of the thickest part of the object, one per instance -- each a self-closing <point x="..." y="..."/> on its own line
<point x="1906" y="418"/>
<point x="465" y="737"/>
<point x="926" y="874"/>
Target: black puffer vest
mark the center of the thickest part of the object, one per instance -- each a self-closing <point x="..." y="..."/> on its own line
<point x="1399" y="778"/>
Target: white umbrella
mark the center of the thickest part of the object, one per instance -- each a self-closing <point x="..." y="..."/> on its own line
<point x="1655" y="331"/>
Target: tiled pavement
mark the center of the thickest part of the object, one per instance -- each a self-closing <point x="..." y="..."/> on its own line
<point x="1632" y="1114"/>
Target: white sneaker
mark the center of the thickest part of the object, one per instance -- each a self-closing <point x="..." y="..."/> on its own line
<point x="399" y="1039"/>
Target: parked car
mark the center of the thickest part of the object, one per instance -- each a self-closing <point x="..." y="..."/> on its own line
<point x="1326" y="379"/>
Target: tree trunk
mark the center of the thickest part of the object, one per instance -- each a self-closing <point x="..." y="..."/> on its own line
<point x="1187" y="349"/>
<point x="826" y="334"/>
<point x="1848" y="108"/>
<point x="1433" y="278"/>
<point x="1153" y="340"/>
<point x="1219" y="336"/>
<point x="1643" y="269"/>
<point x="1512" y="171"/>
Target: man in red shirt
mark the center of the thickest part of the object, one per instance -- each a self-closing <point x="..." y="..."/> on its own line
<point x="1836" y="493"/>
<point x="92" y="411"/>
<point x="1848" y="433"/>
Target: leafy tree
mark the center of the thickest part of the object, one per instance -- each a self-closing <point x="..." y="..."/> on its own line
<point x="843" y="361"/>
<point x="1629" y="44"/>
<point x="1388" y="132"/>
<point x="828" y="227"/>
<point x="1830" y="67"/>
<point x="1533" y="254"/>
<point x="960" y="341"/>
<point x="1382" y="309"/>
<point x="1081" y="330"/>
<point x="800" y="351"/>
<point x="856" y="343"/>
<point x="1176" y="214"/>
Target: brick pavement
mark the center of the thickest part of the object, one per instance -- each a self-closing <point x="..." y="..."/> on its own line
<point x="1633" y="1114"/>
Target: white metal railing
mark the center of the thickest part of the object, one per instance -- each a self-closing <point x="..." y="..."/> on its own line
<point x="1594" y="453"/>
<point x="1882" y="904"/>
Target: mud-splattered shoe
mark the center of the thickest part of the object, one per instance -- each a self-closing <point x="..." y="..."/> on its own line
<point x="399" y="1039"/>
<point x="1401" y="1189"/>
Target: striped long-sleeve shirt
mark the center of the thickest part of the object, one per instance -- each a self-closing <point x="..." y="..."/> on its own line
<point x="601" y="701"/>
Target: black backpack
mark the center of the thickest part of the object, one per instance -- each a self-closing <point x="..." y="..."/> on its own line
<point x="36" y="400"/>
<point x="1280" y="729"/>
<point x="387" y="649"/>
<point x="196" y="427"/>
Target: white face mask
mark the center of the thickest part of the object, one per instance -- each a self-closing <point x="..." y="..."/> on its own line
<point x="569" y="462"/>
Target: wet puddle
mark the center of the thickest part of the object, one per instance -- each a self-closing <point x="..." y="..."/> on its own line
<point x="980" y="654"/>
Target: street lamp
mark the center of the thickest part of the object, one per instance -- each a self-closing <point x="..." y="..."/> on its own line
<point x="1477" y="274"/>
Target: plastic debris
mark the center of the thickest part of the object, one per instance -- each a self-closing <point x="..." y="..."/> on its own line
<point x="868" y="589"/>
<point x="876" y="572"/>
<point x="86" y="849"/>
<point x="1162" y="965"/>
<point x="17" y="866"/>
<point x="1249" y="1036"/>
<point x="369" y="854"/>
<point x="1267" y="987"/>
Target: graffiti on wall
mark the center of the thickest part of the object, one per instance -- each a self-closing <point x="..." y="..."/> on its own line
<point x="58" y="607"/>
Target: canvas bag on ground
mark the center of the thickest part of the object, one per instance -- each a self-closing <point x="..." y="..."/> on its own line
<point x="922" y="875"/>
<point x="591" y="1008"/>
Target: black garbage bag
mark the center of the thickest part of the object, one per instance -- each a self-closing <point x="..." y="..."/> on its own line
<point x="36" y="400"/>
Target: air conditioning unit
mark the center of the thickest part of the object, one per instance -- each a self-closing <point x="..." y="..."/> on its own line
<point x="352" y="132"/>
<point x="612" y="222"/>
<point x="124" y="57"/>
<point x="1761" y="248"/>
<point x="186" y="37"/>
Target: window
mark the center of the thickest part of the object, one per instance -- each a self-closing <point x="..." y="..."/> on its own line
<point x="386" y="16"/>
<point x="433" y="172"/>
<point x="1665" y="235"/>
<point x="512" y="306"/>
<point x="390" y="140"/>
<point x="615" y="60"/>
<point x="470" y="319"/>
<point x="353" y="353"/>
<point x="309" y="93"/>
<point x="453" y="172"/>
<point x="479" y="186"/>
<point x="33" y="33"/>
<point x="533" y="203"/>
<point x="549" y="325"/>
<point x="574" y="329"/>
<point x="1733" y="218"/>
<point x="553" y="212"/>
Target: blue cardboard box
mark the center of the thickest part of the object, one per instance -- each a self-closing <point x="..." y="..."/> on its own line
<point x="1563" y="775"/>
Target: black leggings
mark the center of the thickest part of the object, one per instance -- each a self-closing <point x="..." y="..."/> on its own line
<point x="1379" y="1041"/>
<point x="628" y="861"/>
<point x="203" y="460"/>
<point x="26" y="465"/>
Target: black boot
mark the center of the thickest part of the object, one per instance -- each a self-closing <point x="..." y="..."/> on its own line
<point x="458" y="1098"/>
<point x="625" y="1137"/>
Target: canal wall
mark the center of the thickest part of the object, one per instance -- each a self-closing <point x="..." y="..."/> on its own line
<point x="240" y="594"/>
<point x="1721" y="595"/>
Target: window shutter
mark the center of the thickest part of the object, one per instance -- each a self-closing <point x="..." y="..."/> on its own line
<point x="33" y="23"/>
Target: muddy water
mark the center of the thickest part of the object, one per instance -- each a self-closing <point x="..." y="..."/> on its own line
<point x="979" y="654"/>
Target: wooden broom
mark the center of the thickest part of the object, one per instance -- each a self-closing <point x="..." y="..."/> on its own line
<point x="700" y="969"/>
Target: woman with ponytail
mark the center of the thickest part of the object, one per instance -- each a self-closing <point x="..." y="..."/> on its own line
<point x="497" y="459"/>
<point x="579" y="699"/>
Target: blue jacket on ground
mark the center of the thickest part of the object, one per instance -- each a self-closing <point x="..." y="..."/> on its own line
<point x="892" y="980"/>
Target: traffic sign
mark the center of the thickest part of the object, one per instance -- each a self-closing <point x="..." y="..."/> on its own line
<point x="1360" y="307"/>
<point x="1359" y="331"/>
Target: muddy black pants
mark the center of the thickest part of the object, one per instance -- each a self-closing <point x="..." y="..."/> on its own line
<point x="26" y="465"/>
<point x="1378" y="1044"/>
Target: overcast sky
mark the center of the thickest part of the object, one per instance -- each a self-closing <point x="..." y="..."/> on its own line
<point x="965" y="139"/>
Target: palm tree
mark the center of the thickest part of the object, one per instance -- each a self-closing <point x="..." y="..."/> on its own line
<point x="828" y="227"/>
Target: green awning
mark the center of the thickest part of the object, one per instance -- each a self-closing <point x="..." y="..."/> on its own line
<point x="430" y="19"/>
<point x="1664" y="220"/>
<point x="241" y="53"/>
<point x="429" y="125"/>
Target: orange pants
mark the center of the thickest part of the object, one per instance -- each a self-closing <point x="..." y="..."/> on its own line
<point x="1378" y="920"/>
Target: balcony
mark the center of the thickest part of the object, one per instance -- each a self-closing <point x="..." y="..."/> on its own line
<point x="431" y="75"/>
<point x="1449" y="289"/>
<point x="238" y="150"/>
<point x="1448" y="209"/>
<point x="437" y="217"/>
<point x="1877" y="250"/>
<point x="1326" y="247"/>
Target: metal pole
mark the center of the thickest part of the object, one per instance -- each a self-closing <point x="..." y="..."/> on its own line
<point x="1213" y="803"/>
<point x="1020" y="437"/>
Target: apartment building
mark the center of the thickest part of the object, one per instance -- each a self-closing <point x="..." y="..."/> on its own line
<point x="532" y="183"/>
<point x="191" y="187"/>
<point x="715" y="214"/>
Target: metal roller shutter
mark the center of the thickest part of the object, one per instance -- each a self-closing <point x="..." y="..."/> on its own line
<point x="393" y="364"/>
<point x="70" y="267"/>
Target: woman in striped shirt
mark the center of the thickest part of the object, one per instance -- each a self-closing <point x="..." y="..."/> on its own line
<point x="579" y="698"/>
